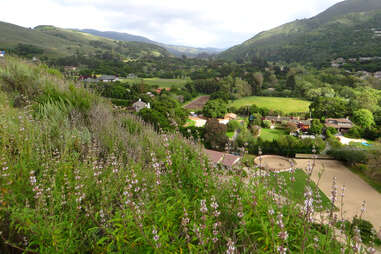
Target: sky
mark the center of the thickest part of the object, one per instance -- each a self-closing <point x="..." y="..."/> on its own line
<point x="197" y="23"/>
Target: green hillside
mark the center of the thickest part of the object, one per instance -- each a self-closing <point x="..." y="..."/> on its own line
<point x="78" y="176"/>
<point x="55" y="42"/>
<point x="348" y="29"/>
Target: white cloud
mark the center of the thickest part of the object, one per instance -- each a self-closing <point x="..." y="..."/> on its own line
<point x="195" y="23"/>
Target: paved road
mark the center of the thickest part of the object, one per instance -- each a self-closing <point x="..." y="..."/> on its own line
<point x="356" y="191"/>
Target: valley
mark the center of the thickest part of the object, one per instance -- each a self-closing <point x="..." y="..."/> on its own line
<point x="111" y="142"/>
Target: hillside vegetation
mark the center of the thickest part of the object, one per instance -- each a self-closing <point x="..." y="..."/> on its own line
<point x="58" y="42"/>
<point x="348" y="29"/>
<point x="80" y="177"/>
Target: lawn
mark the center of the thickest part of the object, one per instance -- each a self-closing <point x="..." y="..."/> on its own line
<point x="296" y="189"/>
<point x="190" y="123"/>
<point x="230" y="134"/>
<point x="287" y="105"/>
<point x="271" y="134"/>
<point x="162" y="83"/>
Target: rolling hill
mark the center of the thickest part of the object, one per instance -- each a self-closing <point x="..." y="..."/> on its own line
<point x="56" y="42"/>
<point x="350" y="28"/>
<point x="174" y="49"/>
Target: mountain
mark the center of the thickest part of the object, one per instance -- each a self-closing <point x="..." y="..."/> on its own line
<point x="174" y="49"/>
<point x="350" y="28"/>
<point x="57" y="42"/>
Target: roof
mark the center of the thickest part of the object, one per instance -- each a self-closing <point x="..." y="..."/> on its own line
<point x="230" y="115"/>
<point x="139" y="104"/>
<point x="225" y="159"/>
<point x="107" y="77"/>
<point x="338" y="123"/>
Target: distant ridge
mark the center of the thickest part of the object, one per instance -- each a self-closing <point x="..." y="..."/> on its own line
<point x="174" y="49"/>
<point x="348" y="29"/>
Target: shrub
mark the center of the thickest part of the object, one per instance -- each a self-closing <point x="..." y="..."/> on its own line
<point x="266" y="124"/>
<point x="348" y="155"/>
<point x="233" y="125"/>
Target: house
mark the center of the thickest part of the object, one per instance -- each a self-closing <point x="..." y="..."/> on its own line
<point x="70" y="68"/>
<point x="279" y="119"/>
<point x="377" y="75"/>
<point x="225" y="159"/>
<point x="132" y="76"/>
<point x="150" y="94"/>
<point x="230" y="116"/>
<point x="159" y="90"/>
<point x="2" y="53"/>
<point x="341" y="124"/>
<point x="107" y="78"/>
<point x="223" y="121"/>
<point x="139" y="105"/>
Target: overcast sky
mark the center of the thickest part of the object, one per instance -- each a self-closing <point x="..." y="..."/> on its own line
<point x="201" y="23"/>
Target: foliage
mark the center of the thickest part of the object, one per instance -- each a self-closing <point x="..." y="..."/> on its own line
<point x="316" y="127"/>
<point x="215" y="135"/>
<point x="266" y="124"/>
<point x="78" y="179"/>
<point x="349" y="155"/>
<point x="215" y="108"/>
<point x="233" y="125"/>
<point x="363" y="118"/>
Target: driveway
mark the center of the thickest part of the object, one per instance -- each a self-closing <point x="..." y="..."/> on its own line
<point x="356" y="190"/>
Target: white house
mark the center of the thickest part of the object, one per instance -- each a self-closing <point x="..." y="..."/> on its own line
<point x="139" y="105"/>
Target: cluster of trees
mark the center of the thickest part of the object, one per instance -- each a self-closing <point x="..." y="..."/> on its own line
<point x="165" y="114"/>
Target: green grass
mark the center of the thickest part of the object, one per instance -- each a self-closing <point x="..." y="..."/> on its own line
<point x="230" y="134"/>
<point x="190" y="123"/>
<point x="271" y="134"/>
<point x="296" y="189"/>
<point x="162" y="83"/>
<point x="287" y="105"/>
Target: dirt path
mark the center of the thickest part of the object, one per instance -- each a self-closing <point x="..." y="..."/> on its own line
<point x="356" y="191"/>
<point x="198" y="103"/>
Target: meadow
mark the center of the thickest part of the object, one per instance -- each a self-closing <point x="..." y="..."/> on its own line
<point x="272" y="134"/>
<point x="286" y="105"/>
<point x="160" y="82"/>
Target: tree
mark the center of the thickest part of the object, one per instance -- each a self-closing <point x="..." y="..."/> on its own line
<point x="329" y="107"/>
<point x="316" y="127"/>
<point x="363" y="118"/>
<point x="215" y="108"/>
<point x="215" y="135"/>
<point x="258" y="82"/>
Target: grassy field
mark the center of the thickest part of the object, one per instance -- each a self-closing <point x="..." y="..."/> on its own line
<point x="287" y="105"/>
<point x="271" y="134"/>
<point x="162" y="83"/>
<point x="296" y="189"/>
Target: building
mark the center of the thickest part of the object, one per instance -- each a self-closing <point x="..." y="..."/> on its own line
<point x="377" y="75"/>
<point x="159" y="90"/>
<point x="280" y="119"/>
<point x="225" y="159"/>
<point x="70" y="68"/>
<point x="139" y="105"/>
<point x="107" y="78"/>
<point x="230" y="116"/>
<point x="341" y="124"/>
<point x="132" y="76"/>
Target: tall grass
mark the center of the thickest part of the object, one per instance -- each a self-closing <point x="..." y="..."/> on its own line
<point x="77" y="177"/>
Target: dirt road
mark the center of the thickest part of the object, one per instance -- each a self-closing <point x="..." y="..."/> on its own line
<point x="356" y="191"/>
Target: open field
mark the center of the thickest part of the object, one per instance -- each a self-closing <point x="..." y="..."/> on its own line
<point x="162" y="83"/>
<point x="287" y="105"/>
<point x="271" y="134"/>
<point x="198" y="103"/>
